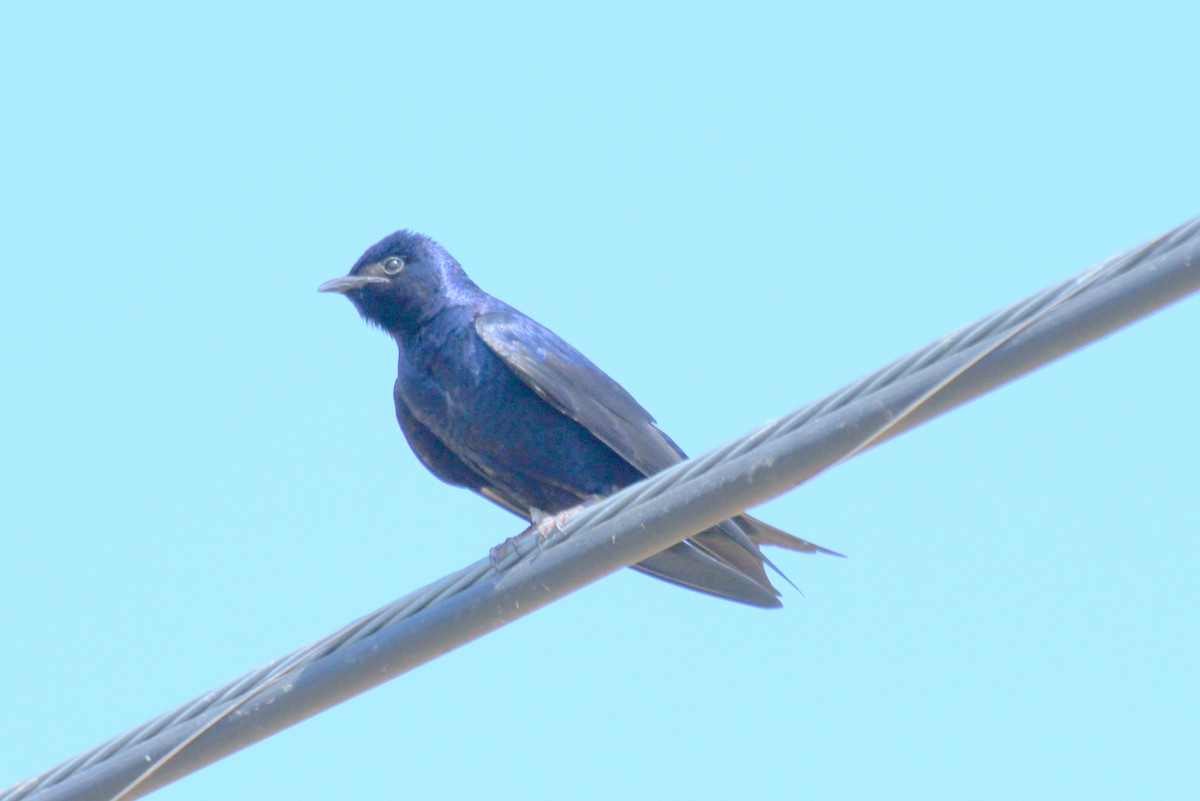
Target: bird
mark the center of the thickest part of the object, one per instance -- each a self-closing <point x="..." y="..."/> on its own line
<point x="490" y="400"/>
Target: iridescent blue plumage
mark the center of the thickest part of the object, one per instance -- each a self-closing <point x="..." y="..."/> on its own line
<point x="490" y="400"/>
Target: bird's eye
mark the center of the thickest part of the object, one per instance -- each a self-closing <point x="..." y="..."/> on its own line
<point x="393" y="265"/>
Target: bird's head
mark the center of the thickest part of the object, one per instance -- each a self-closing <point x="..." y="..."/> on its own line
<point x="401" y="280"/>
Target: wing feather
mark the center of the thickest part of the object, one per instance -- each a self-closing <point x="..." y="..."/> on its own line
<point x="724" y="560"/>
<point x="568" y="381"/>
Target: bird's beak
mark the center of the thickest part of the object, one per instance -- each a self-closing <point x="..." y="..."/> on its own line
<point x="348" y="283"/>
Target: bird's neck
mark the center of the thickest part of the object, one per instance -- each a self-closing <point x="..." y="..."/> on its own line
<point x="430" y="333"/>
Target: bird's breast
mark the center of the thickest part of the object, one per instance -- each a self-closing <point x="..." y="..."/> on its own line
<point x="481" y="411"/>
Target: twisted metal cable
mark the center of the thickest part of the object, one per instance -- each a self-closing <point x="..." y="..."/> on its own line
<point x="869" y="410"/>
<point x="998" y="326"/>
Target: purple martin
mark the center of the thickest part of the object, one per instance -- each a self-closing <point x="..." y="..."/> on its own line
<point x="490" y="400"/>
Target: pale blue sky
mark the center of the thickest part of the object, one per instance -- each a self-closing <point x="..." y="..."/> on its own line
<point x="732" y="209"/>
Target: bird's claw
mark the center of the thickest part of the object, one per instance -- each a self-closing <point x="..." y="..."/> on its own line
<point x="501" y="554"/>
<point x="542" y="526"/>
<point x="546" y="524"/>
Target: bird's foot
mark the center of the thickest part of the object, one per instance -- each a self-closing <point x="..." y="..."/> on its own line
<point x="545" y="524"/>
<point x="505" y="551"/>
<point x="542" y="526"/>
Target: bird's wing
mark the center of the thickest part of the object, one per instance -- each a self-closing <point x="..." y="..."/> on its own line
<point x="723" y="560"/>
<point x="564" y="378"/>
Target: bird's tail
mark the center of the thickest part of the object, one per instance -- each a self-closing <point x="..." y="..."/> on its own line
<point x="764" y="534"/>
<point x="725" y="561"/>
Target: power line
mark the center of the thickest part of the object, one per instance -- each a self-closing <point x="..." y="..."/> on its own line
<point x="531" y="571"/>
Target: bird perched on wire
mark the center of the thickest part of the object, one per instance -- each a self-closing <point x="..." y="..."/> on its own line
<point x="490" y="400"/>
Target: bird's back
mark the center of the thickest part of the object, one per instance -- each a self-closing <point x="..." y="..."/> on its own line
<point x="523" y="450"/>
<point x="492" y="401"/>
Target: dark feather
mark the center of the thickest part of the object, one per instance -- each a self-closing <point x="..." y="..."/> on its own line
<point x="492" y="401"/>
<point x="567" y="380"/>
